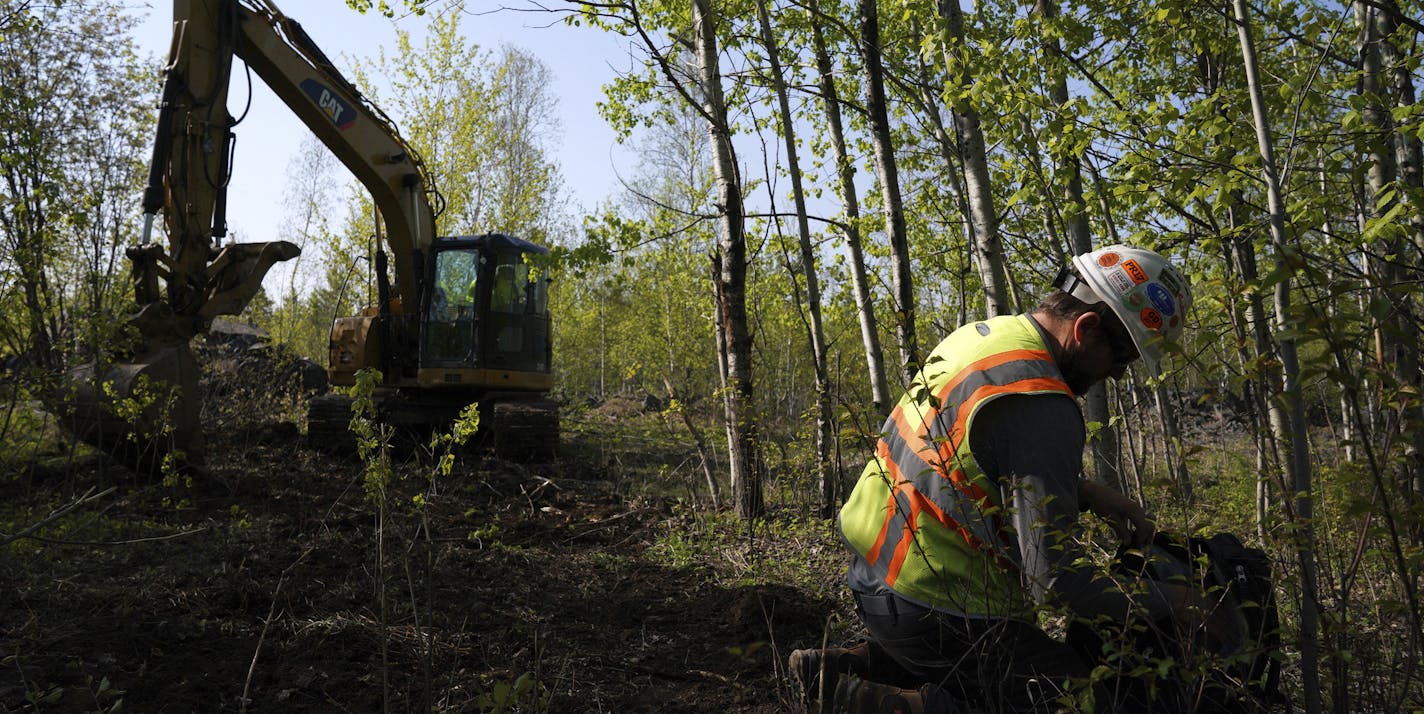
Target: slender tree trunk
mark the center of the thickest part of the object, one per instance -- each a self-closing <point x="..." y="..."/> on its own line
<point x="1289" y="428"/>
<point x="1171" y="443"/>
<point x="26" y="234"/>
<point x="889" y="176"/>
<point x="1250" y="330"/>
<point x="949" y="153"/>
<point x="731" y="270"/>
<point x="931" y="110"/>
<point x="1256" y="331"/>
<point x="703" y="452"/>
<point x="830" y="499"/>
<point x="845" y="173"/>
<point x="1396" y="354"/>
<point x="1107" y="465"/>
<point x="988" y="251"/>
<point x="1400" y="335"/>
<point x="602" y="346"/>
<point x="1139" y="444"/>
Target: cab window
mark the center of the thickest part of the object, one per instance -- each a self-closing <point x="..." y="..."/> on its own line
<point x="513" y="291"/>
<point x="456" y="278"/>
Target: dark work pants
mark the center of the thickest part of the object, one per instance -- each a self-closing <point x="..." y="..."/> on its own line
<point x="1004" y="666"/>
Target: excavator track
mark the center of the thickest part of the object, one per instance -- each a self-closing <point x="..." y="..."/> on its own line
<point x="328" y="424"/>
<point x="522" y="429"/>
<point x="513" y="426"/>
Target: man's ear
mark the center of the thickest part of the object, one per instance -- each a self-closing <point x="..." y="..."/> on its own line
<point x="1085" y="323"/>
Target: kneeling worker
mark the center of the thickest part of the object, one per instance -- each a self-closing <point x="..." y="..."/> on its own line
<point x="962" y="521"/>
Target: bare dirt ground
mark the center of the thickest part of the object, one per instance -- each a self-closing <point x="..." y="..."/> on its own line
<point x="267" y="585"/>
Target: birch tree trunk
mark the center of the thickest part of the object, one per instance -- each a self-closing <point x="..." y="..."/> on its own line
<point x="1289" y="427"/>
<point x="988" y="251"/>
<point x="1172" y="443"/>
<point x="889" y="176"/>
<point x="731" y="270"/>
<point x="1256" y="331"/>
<point x="830" y="499"/>
<point x="845" y="174"/>
<point x="1400" y="334"/>
<point x="1107" y="464"/>
<point x="931" y="107"/>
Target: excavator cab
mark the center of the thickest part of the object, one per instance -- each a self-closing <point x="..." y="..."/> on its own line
<point x="481" y="336"/>
<point x="486" y="313"/>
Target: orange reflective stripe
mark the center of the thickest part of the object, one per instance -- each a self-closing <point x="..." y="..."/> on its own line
<point x="908" y="432"/>
<point x="966" y="485"/>
<point x="947" y="521"/>
<point x="892" y="472"/>
<point x="919" y="503"/>
<point x="911" y="434"/>
<point x="949" y="448"/>
<point x="969" y="488"/>
<point x="946" y="448"/>
<point x="890" y="510"/>
<point x="1039" y="384"/>
<point x="990" y="362"/>
<point x="909" y="523"/>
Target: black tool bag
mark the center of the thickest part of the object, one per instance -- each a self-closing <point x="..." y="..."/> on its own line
<point x="1239" y="578"/>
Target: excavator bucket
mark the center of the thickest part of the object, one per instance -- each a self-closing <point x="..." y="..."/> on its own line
<point x="144" y="412"/>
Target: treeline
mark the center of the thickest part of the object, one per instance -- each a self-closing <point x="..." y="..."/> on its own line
<point x="828" y="188"/>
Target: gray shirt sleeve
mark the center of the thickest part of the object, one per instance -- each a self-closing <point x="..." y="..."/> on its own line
<point x="1032" y="445"/>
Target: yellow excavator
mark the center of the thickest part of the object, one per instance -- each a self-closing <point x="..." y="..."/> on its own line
<point x="457" y="320"/>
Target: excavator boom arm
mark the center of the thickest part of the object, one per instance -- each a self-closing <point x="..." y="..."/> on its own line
<point x="193" y="155"/>
<point x="357" y="133"/>
<point x="180" y="288"/>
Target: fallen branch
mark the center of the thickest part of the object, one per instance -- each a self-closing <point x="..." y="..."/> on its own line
<point x="702" y="450"/>
<point x="56" y="514"/>
<point x="130" y="541"/>
<point x="266" y="626"/>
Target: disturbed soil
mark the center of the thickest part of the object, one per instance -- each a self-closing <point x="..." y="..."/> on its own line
<point x="276" y="580"/>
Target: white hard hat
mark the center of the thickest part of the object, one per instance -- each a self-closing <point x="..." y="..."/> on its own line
<point x="1147" y="294"/>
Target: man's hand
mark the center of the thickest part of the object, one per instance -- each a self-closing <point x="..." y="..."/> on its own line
<point x="1131" y="523"/>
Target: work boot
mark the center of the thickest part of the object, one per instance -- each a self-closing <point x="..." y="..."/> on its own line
<point x="860" y="696"/>
<point x="818" y="671"/>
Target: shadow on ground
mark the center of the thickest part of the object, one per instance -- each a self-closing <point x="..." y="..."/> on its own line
<point x="257" y="587"/>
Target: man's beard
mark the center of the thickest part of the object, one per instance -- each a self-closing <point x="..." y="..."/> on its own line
<point x="1074" y="376"/>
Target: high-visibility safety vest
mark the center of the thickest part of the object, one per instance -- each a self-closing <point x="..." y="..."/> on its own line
<point x="924" y="519"/>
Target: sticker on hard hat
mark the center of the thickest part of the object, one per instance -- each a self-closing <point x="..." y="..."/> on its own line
<point x="1108" y="260"/>
<point x="1173" y="281"/>
<point x="1135" y="299"/>
<point x="1160" y="298"/>
<point x="1134" y="271"/>
<point x="1120" y="281"/>
<point x="1151" y="319"/>
<point x="981" y="328"/>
